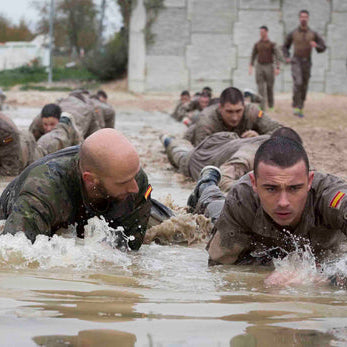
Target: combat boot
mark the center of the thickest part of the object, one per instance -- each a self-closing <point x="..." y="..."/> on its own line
<point x="209" y="175"/>
<point x="165" y="140"/>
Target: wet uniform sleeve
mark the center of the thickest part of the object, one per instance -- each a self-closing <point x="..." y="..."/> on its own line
<point x="30" y="215"/>
<point x="332" y="203"/>
<point x="36" y="127"/>
<point x="232" y="238"/>
<point x="262" y="123"/>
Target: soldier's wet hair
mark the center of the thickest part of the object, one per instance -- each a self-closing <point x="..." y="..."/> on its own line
<point x="231" y="95"/>
<point x="282" y="152"/>
<point x="51" y="110"/>
<point x="304" y="11"/>
<point x="205" y="95"/>
<point x="101" y="93"/>
<point x="264" y="27"/>
<point x="287" y="132"/>
<point x="185" y="92"/>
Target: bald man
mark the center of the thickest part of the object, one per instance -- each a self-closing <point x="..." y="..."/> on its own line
<point x="102" y="177"/>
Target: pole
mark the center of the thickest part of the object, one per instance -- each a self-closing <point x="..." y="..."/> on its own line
<point x="51" y="25"/>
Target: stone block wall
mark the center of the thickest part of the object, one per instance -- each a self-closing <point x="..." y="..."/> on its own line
<point x="204" y="42"/>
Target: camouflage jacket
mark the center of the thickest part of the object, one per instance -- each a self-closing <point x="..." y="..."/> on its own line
<point x="49" y="195"/>
<point x="323" y="224"/>
<point x="105" y="114"/>
<point x="211" y="122"/>
<point x="36" y="127"/>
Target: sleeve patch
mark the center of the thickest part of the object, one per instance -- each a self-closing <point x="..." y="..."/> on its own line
<point x="335" y="202"/>
<point x="260" y="114"/>
<point x="7" y="140"/>
<point x="148" y="191"/>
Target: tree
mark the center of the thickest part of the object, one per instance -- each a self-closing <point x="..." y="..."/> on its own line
<point x="75" y="24"/>
<point x="12" y="32"/>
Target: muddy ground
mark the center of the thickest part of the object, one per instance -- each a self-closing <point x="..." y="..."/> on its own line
<point x="323" y="129"/>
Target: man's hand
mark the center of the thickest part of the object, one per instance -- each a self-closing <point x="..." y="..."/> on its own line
<point x="250" y="69"/>
<point x="277" y="71"/>
<point x="313" y="44"/>
<point x="249" y="133"/>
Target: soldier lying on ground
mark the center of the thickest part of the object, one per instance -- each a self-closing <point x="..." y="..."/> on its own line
<point x="18" y="149"/>
<point x="278" y="208"/>
<point x="184" y="99"/>
<point x="233" y="155"/>
<point x="231" y="114"/>
<point x="46" y="121"/>
<point x="105" y="113"/>
<point x="103" y="177"/>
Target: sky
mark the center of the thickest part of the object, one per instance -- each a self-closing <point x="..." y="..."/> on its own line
<point x="17" y="9"/>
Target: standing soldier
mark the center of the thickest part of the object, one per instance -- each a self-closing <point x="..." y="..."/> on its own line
<point x="303" y="39"/>
<point x="267" y="67"/>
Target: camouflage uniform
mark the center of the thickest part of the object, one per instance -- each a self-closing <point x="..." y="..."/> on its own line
<point x="211" y="122"/>
<point x="50" y="195"/>
<point x="19" y="148"/>
<point x="226" y="150"/>
<point x="242" y="223"/>
<point x="36" y="127"/>
<point x="82" y="109"/>
<point x="301" y="61"/>
<point x="267" y="58"/>
<point x="105" y="113"/>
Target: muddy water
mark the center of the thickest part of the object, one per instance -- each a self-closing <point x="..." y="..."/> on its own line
<point x="63" y="292"/>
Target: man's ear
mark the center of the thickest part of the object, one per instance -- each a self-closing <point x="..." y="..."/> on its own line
<point x="310" y="179"/>
<point x="89" y="178"/>
<point x="253" y="181"/>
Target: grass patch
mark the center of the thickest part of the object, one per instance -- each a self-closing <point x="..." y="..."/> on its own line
<point x="35" y="74"/>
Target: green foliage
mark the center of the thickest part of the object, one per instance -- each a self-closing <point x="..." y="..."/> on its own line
<point x="109" y="62"/>
<point x="36" y="74"/>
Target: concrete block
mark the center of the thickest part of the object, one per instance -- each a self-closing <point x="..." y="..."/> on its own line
<point x="319" y="14"/>
<point x="316" y="87"/>
<point x="210" y="57"/>
<point x="336" y="77"/>
<point x="174" y="3"/>
<point x="246" y="30"/>
<point x="212" y="16"/>
<point x="171" y="30"/>
<point x="339" y="5"/>
<point x="241" y="78"/>
<point x="260" y="4"/>
<point x="166" y="73"/>
<point x="337" y="33"/>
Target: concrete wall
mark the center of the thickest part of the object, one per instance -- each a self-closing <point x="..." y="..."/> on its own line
<point x="204" y="42"/>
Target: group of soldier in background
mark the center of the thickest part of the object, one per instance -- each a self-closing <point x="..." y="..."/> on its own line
<point x="61" y="124"/>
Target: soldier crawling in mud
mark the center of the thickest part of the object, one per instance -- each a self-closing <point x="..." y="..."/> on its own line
<point x="103" y="177"/>
<point x="233" y="155"/>
<point x="18" y="148"/>
<point x="231" y="114"/>
<point x="184" y="99"/>
<point x="271" y="211"/>
<point x="105" y="114"/>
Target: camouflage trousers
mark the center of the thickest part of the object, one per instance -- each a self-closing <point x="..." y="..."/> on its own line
<point x="265" y="78"/>
<point x="301" y="73"/>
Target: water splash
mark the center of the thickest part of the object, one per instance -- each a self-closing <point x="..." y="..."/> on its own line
<point x="96" y="250"/>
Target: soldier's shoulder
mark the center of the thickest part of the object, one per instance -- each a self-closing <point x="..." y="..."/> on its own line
<point x="253" y="112"/>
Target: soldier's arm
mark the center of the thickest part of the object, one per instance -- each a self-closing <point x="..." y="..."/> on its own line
<point x="321" y="47"/>
<point x="254" y="53"/>
<point x="36" y="127"/>
<point x="286" y="46"/>
<point x="30" y="215"/>
<point x="230" y="239"/>
<point x="260" y="121"/>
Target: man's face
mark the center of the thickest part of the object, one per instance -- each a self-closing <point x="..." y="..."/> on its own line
<point x="185" y="99"/>
<point x="303" y="18"/>
<point x="204" y="101"/>
<point x="49" y="123"/>
<point x="263" y="34"/>
<point x="115" y="189"/>
<point x="283" y="191"/>
<point x="232" y="114"/>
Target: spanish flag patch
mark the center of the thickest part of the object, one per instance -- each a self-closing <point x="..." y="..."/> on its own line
<point x="260" y="114"/>
<point x="334" y="203"/>
<point x="7" y="140"/>
<point x="148" y="191"/>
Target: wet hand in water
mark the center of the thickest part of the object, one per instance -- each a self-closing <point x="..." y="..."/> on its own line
<point x="117" y="239"/>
